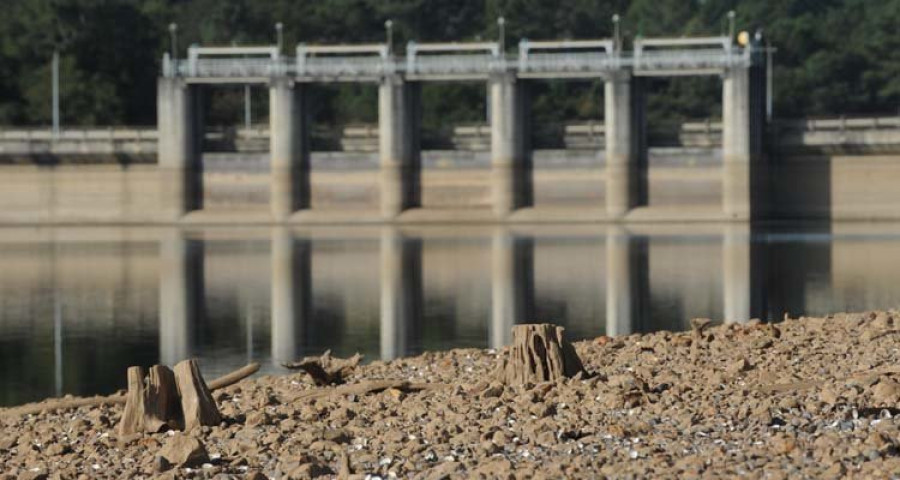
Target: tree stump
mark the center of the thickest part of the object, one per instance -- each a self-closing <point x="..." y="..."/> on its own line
<point x="161" y="405"/>
<point x="197" y="404"/>
<point x="540" y="353"/>
<point x="133" y="415"/>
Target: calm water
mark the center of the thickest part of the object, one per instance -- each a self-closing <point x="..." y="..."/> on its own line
<point x="77" y="306"/>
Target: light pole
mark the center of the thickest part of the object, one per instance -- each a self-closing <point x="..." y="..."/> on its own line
<point x="55" y="88"/>
<point x="173" y="37"/>
<point x="279" y="28"/>
<point x="731" y="16"/>
<point x="389" y="27"/>
<point x="501" y="23"/>
<point x="617" y="46"/>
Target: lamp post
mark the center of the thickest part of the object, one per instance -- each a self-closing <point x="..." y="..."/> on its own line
<point x="731" y="16"/>
<point x="389" y="28"/>
<point x="501" y="23"/>
<point x="279" y="29"/>
<point x="173" y="37"/>
<point x="55" y="92"/>
<point x="617" y="46"/>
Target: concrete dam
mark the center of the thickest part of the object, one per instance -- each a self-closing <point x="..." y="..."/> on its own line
<point x="741" y="168"/>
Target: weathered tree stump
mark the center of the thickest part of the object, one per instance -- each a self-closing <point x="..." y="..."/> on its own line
<point x="197" y="404"/>
<point x="133" y="415"/>
<point x="150" y="407"/>
<point x="161" y="405"/>
<point x="540" y="353"/>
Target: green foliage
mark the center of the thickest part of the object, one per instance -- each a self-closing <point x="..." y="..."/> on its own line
<point x="834" y="56"/>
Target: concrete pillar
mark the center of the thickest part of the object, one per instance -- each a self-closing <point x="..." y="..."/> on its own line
<point x="401" y="291"/>
<point x="511" y="176"/>
<point x="291" y="293"/>
<point x="512" y="285"/>
<point x="180" y="131"/>
<point x="289" y="148"/>
<point x="398" y="130"/>
<point x="627" y="282"/>
<point x="181" y="295"/>
<point x="736" y="144"/>
<point x="625" y="144"/>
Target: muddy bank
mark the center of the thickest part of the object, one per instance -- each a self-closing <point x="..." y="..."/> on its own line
<point x="815" y="397"/>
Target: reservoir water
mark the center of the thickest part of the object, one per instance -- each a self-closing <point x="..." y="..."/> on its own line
<point x="79" y="305"/>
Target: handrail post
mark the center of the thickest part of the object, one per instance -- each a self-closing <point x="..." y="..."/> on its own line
<point x="411" y="57"/>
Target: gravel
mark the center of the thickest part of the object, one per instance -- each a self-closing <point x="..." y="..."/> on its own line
<point x="809" y="397"/>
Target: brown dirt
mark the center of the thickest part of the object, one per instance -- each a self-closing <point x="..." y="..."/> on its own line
<point x="815" y="397"/>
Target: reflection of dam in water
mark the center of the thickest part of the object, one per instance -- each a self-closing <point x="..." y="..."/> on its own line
<point x="84" y="303"/>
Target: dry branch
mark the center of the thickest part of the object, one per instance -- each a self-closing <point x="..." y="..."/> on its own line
<point x="370" y="386"/>
<point x="326" y="370"/>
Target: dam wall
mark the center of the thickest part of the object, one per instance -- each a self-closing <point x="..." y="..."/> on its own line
<point x="828" y="169"/>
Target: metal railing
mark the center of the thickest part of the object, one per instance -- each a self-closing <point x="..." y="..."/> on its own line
<point x="458" y="62"/>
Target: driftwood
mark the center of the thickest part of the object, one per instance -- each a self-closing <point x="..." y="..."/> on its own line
<point x="234" y="377"/>
<point x="326" y="370"/>
<point x="58" y="404"/>
<point x="540" y="353"/>
<point x="197" y="404"/>
<point x="370" y="386"/>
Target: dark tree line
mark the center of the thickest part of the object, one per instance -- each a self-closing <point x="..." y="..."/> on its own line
<point x="834" y="56"/>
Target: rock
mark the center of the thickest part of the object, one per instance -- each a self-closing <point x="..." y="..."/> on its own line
<point x="886" y="392"/>
<point x="32" y="474"/>
<point x="7" y="443"/>
<point x="184" y="451"/>
<point x="443" y="471"/>
<point x="741" y="365"/>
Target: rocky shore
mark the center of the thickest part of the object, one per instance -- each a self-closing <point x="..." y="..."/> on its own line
<point x="810" y="397"/>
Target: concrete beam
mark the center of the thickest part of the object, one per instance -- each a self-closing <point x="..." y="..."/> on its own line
<point x="180" y="127"/>
<point x="398" y="117"/>
<point x="511" y="173"/>
<point x="289" y="148"/>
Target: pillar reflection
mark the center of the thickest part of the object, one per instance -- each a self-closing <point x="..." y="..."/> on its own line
<point x="181" y="294"/>
<point x="291" y="293"/>
<point x="512" y="284"/>
<point x="627" y="282"/>
<point x="742" y="274"/>
<point x="401" y="291"/>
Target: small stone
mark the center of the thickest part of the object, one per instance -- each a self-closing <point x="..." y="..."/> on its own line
<point x="184" y="451"/>
<point x="835" y="471"/>
<point x="256" y="419"/>
<point x="396" y="393"/>
<point x="494" y="390"/>
<point x="160" y="464"/>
